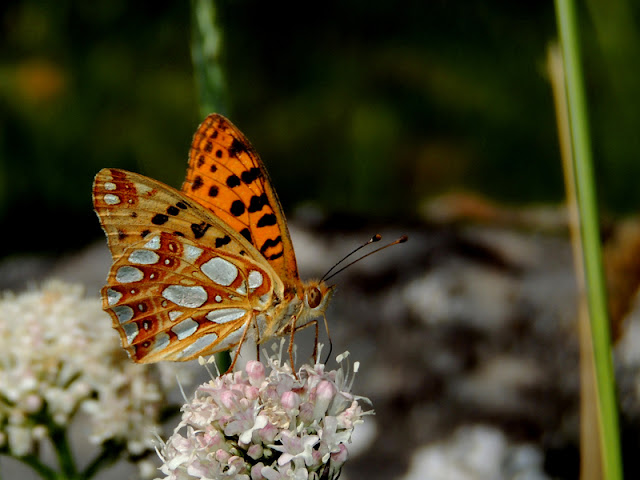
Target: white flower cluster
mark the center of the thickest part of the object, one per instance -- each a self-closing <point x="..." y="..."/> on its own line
<point x="59" y="356"/>
<point x="247" y="425"/>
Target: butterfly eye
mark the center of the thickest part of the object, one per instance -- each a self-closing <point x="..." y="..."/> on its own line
<point x="314" y="297"/>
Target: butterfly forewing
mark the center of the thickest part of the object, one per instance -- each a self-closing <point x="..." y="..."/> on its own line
<point x="226" y="175"/>
<point x="131" y="206"/>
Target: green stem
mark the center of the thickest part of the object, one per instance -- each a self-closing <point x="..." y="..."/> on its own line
<point x="590" y="233"/>
<point x="206" y="41"/>
<point x="110" y="454"/>
<point x="62" y="448"/>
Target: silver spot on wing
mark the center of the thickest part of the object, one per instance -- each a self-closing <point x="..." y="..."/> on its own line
<point x="131" y="331"/>
<point x="190" y="297"/>
<point x="154" y="243"/>
<point x="129" y="274"/>
<point x="224" y="315"/>
<point x="220" y="271"/>
<point x="200" y="344"/>
<point x="185" y="328"/>
<point x="123" y="312"/>
<point x="255" y="279"/>
<point x="144" y="257"/>
<point x="113" y="296"/>
<point x="111" y="199"/>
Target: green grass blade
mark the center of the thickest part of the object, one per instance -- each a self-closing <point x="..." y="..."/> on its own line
<point x="206" y="43"/>
<point x="589" y="228"/>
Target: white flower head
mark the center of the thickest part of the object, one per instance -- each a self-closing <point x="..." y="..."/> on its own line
<point x="254" y="425"/>
<point x="60" y="355"/>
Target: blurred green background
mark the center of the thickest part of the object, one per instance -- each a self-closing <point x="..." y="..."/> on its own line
<point x="364" y="108"/>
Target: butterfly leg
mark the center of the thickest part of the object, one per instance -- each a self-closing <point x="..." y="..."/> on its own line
<point x="315" y="346"/>
<point x="235" y="356"/>
<point x="293" y="331"/>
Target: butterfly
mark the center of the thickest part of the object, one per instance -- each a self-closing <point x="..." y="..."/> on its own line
<point x="198" y="270"/>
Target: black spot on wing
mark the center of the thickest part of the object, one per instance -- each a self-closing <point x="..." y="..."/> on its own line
<point x="271" y="242"/>
<point x="237" y="147"/>
<point x="275" y="256"/>
<point x="222" y="241"/>
<point x="181" y="205"/>
<point x="233" y="181"/>
<point x="197" y="183"/>
<point x="178" y="234"/>
<point x="257" y="202"/>
<point x="246" y="234"/>
<point x="144" y="233"/>
<point x="199" y="229"/>
<point x="200" y="160"/>
<point x="213" y="191"/>
<point x="173" y="210"/>
<point x="121" y="235"/>
<point x="266" y="220"/>
<point x="219" y="153"/>
<point x="208" y="147"/>
<point x="237" y="208"/>
<point x="251" y="175"/>
<point x="159" y="219"/>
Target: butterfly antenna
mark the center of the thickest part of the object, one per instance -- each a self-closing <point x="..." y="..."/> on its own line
<point x="376" y="238"/>
<point x="402" y="239"/>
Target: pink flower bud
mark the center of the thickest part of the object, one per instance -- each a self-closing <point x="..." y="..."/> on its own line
<point x="222" y="456"/>
<point x="228" y="399"/>
<point x="255" y="370"/>
<point x="256" y="471"/>
<point x="268" y="433"/>
<point x="325" y="392"/>
<point x="251" y="393"/>
<point x="341" y="456"/>
<point x="255" y="451"/>
<point x="290" y="400"/>
<point x="306" y="412"/>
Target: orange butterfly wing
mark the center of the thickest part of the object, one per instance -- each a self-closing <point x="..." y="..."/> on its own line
<point x="182" y="283"/>
<point x="226" y="175"/>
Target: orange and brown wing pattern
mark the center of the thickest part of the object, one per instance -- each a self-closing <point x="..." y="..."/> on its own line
<point x="226" y="175"/>
<point x="182" y="283"/>
<point x="174" y="299"/>
<point x="131" y="207"/>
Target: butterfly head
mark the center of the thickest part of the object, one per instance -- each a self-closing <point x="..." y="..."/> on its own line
<point x="316" y="297"/>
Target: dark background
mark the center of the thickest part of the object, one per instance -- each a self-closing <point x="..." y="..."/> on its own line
<point x="363" y="108"/>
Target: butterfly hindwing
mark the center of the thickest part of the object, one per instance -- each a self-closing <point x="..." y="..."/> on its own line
<point x="226" y="175"/>
<point x="172" y="299"/>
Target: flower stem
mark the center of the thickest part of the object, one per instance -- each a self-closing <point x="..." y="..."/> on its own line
<point x="110" y="454"/>
<point x="62" y="448"/>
